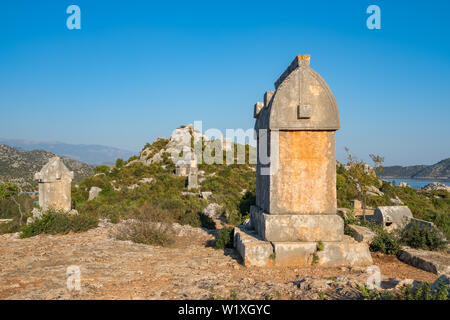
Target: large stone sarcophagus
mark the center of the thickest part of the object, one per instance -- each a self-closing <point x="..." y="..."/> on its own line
<point x="294" y="221"/>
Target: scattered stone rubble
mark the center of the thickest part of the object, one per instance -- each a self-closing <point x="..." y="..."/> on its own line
<point x="36" y="268"/>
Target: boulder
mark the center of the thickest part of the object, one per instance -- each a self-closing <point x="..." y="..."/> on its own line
<point x="206" y="194"/>
<point x="146" y="180"/>
<point x="397" y="201"/>
<point x="73" y="212"/>
<point x="362" y="234"/>
<point x="403" y="185"/>
<point x="213" y="210"/>
<point x="436" y="186"/>
<point x="444" y="279"/>
<point x="374" y="191"/>
<point x="94" y="192"/>
<point x="212" y="214"/>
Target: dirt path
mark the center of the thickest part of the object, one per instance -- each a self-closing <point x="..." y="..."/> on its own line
<point x="35" y="268"/>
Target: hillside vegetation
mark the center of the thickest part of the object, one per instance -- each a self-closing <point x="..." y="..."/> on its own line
<point x="146" y="184"/>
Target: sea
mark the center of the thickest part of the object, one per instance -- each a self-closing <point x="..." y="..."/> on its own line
<point x="415" y="183"/>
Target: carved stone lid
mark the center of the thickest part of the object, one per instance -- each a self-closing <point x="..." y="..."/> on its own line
<point x="302" y="101"/>
<point x="54" y="170"/>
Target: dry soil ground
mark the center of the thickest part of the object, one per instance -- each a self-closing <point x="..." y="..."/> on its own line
<point x="35" y="268"/>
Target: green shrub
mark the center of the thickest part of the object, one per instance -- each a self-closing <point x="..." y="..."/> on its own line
<point x="56" y="222"/>
<point x="190" y="218"/>
<point x="235" y="217"/>
<point x="424" y="292"/>
<point x="386" y="242"/>
<point x="8" y="190"/>
<point x="119" y="163"/>
<point x="225" y="238"/>
<point x="422" y="237"/>
<point x="248" y="200"/>
<point x="421" y="292"/>
<point x="320" y="246"/>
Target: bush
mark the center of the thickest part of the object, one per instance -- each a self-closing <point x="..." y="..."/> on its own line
<point x="190" y="218"/>
<point x="152" y="226"/>
<point x="422" y="237"/>
<point x="225" y="238"/>
<point x="235" y="217"/>
<point x="57" y="222"/>
<point x="248" y="200"/>
<point x="422" y="291"/>
<point x="386" y="242"/>
<point x="146" y="232"/>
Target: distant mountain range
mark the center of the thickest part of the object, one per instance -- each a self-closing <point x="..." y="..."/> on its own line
<point x="438" y="171"/>
<point x="20" y="166"/>
<point x="90" y="154"/>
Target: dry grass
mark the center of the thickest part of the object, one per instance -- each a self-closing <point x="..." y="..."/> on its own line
<point x="152" y="225"/>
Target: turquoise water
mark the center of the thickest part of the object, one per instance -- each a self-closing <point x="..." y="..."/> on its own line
<point x="415" y="183"/>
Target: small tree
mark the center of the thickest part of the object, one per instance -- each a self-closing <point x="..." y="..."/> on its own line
<point x="377" y="162"/>
<point x="12" y="191"/>
<point x="361" y="174"/>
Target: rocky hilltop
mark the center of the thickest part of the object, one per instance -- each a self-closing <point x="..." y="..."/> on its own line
<point x="438" y="171"/>
<point x="20" y="166"/>
<point x="182" y="139"/>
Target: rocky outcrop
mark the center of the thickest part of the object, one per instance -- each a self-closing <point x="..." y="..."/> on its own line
<point x="181" y="141"/>
<point x="436" y="186"/>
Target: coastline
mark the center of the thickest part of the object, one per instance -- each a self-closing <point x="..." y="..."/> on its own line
<point x="441" y="179"/>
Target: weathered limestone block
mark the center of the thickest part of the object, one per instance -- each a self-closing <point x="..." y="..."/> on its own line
<point x="392" y="217"/>
<point x="334" y="254"/>
<point x="253" y="250"/>
<point x="305" y="182"/>
<point x="182" y="169"/>
<point x="193" y="179"/>
<point x="362" y="234"/>
<point x="298" y="227"/>
<point x="54" y="186"/>
<point x="436" y="262"/>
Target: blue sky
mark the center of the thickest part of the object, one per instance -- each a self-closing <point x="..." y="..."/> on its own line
<point x="138" y="69"/>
